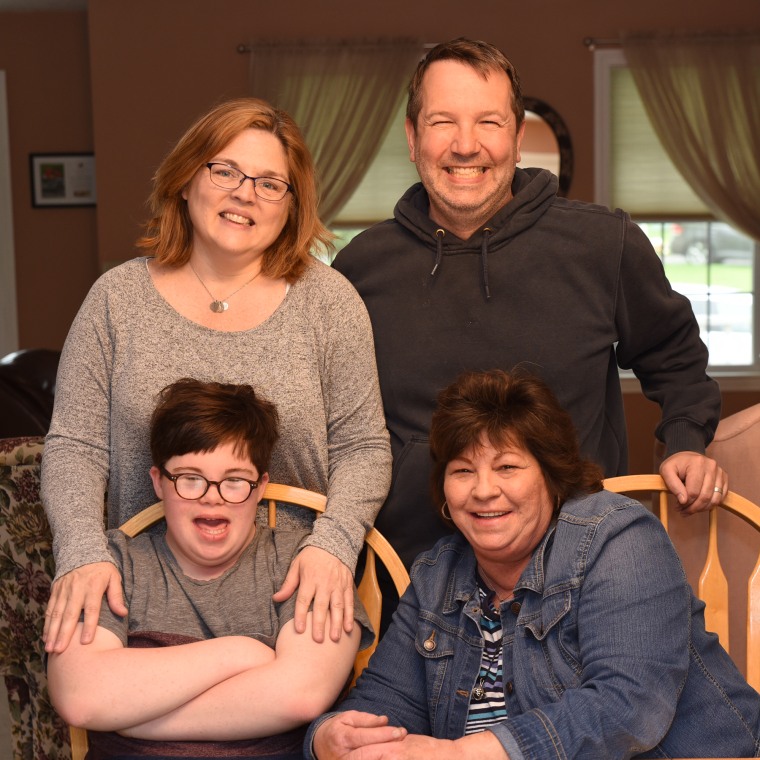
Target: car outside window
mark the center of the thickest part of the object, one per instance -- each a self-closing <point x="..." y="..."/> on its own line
<point x="713" y="265"/>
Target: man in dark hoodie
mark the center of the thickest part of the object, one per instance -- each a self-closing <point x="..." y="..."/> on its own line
<point x="483" y="266"/>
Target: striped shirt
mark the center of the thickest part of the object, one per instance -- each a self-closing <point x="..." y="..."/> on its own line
<point x="487" y="703"/>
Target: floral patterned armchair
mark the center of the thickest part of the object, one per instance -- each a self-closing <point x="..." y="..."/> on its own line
<point x="26" y="570"/>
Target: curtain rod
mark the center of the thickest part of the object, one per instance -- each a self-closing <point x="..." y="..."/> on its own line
<point x="599" y="42"/>
<point x="596" y="42"/>
<point x="244" y="47"/>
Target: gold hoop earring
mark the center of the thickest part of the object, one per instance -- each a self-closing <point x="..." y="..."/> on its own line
<point x="444" y="507"/>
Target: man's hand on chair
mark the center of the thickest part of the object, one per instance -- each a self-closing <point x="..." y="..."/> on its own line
<point x="697" y="481"/>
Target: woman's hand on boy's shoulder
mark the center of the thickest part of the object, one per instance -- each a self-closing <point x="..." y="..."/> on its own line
<point x="80" y="590"/>
<point x="324" y="585"/>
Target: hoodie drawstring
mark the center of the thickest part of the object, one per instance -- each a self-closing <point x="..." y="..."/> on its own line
<point x="484" y="261"/>
<point x="439" y="233"/>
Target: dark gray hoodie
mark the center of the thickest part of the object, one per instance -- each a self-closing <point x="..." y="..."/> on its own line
<point x="566" y="289"/>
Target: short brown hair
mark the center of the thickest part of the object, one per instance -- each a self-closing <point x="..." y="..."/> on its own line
<point x="481" y="56"/>
<point x="193" y="416"/>
<point x="169" y="233"/>
<point x="516" y="408"/>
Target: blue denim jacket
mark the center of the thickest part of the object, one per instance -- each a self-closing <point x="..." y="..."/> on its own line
<point x="609" y="657"/>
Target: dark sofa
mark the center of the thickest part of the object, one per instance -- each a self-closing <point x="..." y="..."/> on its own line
<point x="27" y="390"/>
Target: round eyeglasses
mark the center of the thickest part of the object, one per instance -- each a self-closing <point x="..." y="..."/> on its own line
<point x="230" y="178"/>
<point x="191" y="486"/>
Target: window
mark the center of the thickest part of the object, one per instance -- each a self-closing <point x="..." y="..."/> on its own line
<point x="705" y="259"/>
<point x="387" y="179"/>
<point x="712" y="264"/>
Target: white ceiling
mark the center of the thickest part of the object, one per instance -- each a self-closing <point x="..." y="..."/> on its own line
<point x="43" y="5"/>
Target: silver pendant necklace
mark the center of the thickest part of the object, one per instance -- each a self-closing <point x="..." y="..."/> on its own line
<point x="218" y="305"/>
<point x="479" y="692"/>
<point x="492" y="659"/>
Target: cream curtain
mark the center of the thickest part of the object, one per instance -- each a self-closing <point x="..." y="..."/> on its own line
<point x="702" y="95"/>
<point x="343" y="96"/>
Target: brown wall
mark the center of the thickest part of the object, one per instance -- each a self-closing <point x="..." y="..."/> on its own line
<point x="125" y="79"/>
<point x="46" y="60"/>
<point x="643" y="416"/>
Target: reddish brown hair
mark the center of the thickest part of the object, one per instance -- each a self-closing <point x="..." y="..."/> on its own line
<point x="510" y="408"/>
<point x="169" y="233"/>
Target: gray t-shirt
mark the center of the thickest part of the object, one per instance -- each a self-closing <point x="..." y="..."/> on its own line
<point x="167" y="607"/>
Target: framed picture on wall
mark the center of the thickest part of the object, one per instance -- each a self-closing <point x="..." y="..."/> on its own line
<point x="63" y="179"/>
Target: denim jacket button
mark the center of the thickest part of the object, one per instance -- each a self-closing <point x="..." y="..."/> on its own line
<point x="429" y="644"/>
<point x="515" y="607"/>
<point x="510" y="687"/>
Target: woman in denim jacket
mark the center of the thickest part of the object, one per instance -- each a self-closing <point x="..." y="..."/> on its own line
<point x="557" y="622"/>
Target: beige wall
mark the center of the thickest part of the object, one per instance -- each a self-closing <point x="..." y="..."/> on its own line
<point x="125" y="79"/>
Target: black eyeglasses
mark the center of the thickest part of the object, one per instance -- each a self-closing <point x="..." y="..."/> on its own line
<point x="192" y="487"/>
<point x="230" y="178"/>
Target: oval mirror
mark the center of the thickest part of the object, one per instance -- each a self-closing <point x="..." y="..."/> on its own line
<point x="546" y="142"/>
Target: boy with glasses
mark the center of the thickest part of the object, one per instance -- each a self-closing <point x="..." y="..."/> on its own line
<point x="205" y="664"/>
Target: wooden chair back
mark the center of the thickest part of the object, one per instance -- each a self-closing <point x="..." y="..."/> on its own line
<point x="377" y="547"/>
<point x="713" y="587"/>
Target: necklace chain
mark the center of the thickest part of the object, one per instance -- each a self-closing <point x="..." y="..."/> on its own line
<point x="219" y="305"/>
<point x="495" y="587"/>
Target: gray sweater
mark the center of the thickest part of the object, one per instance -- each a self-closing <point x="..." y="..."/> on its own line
<point x="313" y="358"/>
